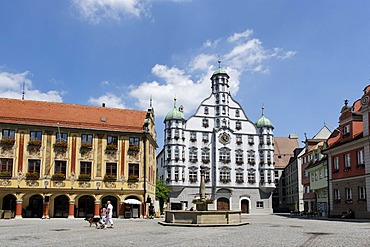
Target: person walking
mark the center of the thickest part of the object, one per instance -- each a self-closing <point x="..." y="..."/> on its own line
<point x="109" y="215"/>
<point x="103" y="216"/>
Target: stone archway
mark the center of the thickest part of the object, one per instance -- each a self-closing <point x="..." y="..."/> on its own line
<point x="9" y="202"/>
<point x="223" y="204"/>
<point x="244" y="206"/>
<point x="61" y="206"/>
<point x="113" y="200"/>
<point x="85" y="207"/>
<point x="35" y="207"/>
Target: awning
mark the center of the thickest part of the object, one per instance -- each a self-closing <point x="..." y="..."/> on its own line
<point x="132" y="201"/>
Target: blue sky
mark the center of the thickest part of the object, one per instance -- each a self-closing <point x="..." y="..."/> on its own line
<point x="301" y="59"/>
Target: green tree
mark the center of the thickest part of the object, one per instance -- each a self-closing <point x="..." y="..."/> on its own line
<point x="161" y="193"/>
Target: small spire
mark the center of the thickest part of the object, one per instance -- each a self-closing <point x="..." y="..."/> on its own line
<point x="263" y="109"/>
<point x="174" y="102"/>
<point x="150" y="102"/>
<point x="219" y="61"/>
<point x="23" y="90"/>
<point x="346" y="102"/>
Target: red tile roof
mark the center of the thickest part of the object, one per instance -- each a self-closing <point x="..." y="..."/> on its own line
<point x="70" y="115"/>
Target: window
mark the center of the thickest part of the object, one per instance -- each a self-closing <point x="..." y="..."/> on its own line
<point x="168" y="153"/>
<point x="239" y="176"/>
<point x="347" y="161"/>
<point x="320" y="174"/>
<point x="262" y="158"/>
<point x="206" y="111"/>
<point x="361" y="193"/>
<point x="217" y="98"/>
<point x="169" y="134"/>
<point x="168" y="174"/>
<point x="238" y="125"/>
<point x="336" y="164"/>
<point x="60" y="167"/>
<point x="217" y="110"/>
<point x="262" y="176"/>
<point x="259" y="204"/>
<point x="193" y="136"/>
<point x="269" y="178"/>
<point x="8" y="134"/>
<point x="251" y="140"/>
<point x="133" y="170"/>
<point x="61" y="137"/>
<point x="34" y="166"/>
<point x="239" y="139"/>
<point x="261" y="140"/>
<point x="268" y="140"/>
<point x="6" y="166"/>
<point x="225" y="175"/>
<point x="85" y="168"/>
<point x="217" y="123"/>
<point x="205" y="155"/>
<point x="112" y="140"/>
<point x="111" y="169"/>
<point x="134" y="141"/>
<point x="177" y="134"/>
<point x="269" y="158"/>
<point x="251" y="157"/>
<point x="348" y="194"/>
<point x="86" y="139"/>
<point x="193" y="155"/>
<point x="237" y="113"/>
<point x="346" y="129"/>
<point x="360" y="158"/>
<point x="176" y="174"/>
<point x="36" y="136"/>
<point x="336" y="195"/>
<point x="177" y="153"/>
<point x="224" y="155"/>
<point x="193" y="174"/>
<point x="224" y="123"/>
<point x="205" y="122"/>
<point x="239" y="157"/>
<point x="223" y="110"/>
<point x="325" y="172"/>
<point x="251" y="177"/>
<point x="207" y="176"/>
<point x="205" y="137"/>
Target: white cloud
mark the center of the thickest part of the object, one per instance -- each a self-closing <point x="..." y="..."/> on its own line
<point x="191" y="84"/>
<point x="238" y="36"/>
<point x="94" y="11"/>
<point x="109" y="99"/>
<point x="11" y="86"/>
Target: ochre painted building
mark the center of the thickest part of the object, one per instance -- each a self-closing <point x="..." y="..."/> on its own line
<point x="65" y="160"/>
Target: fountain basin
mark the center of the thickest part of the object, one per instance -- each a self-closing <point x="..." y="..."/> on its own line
<point x="202" y="218"/>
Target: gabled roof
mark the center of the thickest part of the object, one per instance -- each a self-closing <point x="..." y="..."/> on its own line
<point x="283" y="150"/>
<point x="70" y="115"/>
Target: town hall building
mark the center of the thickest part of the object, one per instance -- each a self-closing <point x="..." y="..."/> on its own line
<point x="236" y="154"/>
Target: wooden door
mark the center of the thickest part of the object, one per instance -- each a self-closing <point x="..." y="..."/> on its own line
<point x="245" y="206"/>
<point x="223" y="204"/>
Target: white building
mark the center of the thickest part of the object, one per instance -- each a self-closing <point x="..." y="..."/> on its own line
<point x="237" y="154"/>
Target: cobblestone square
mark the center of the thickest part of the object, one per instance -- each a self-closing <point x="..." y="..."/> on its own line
<point x="270" y="230"/>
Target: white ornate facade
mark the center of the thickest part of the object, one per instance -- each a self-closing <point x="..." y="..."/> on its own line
<point x="237" y="154"/>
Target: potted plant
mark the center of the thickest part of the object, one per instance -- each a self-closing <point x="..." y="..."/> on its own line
<point x="110" y="177"/>
<point x="8" y="142"/>
<point x="61" y="145"/>
<point x="133" y="178"/>
<point x="111" y="147"/>
<point x="86" y="145"/>
<point x="35" y="143"/>
<point x="5" y="174"/>
<point x="32" y="175"/>
<point x="84" y="177"/>
<point x="133" y="148"/>
<point x="58" y="176"/>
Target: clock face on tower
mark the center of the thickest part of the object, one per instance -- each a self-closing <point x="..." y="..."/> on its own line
<point x="224" y="138"/>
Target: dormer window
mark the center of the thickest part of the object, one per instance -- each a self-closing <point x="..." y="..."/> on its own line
<point x="217" y="110"/>
<point x="193" y="136"/>
<point x="217" y="98"/>
<point x="238" y="125"/>
<point x="237" y="113"/>
<point x="206" y="111"/>
<point x="346" y="130"/>
<point x="223" y="110"/>
<point x="205" y="123"/>
<point x="217" y="123"/>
